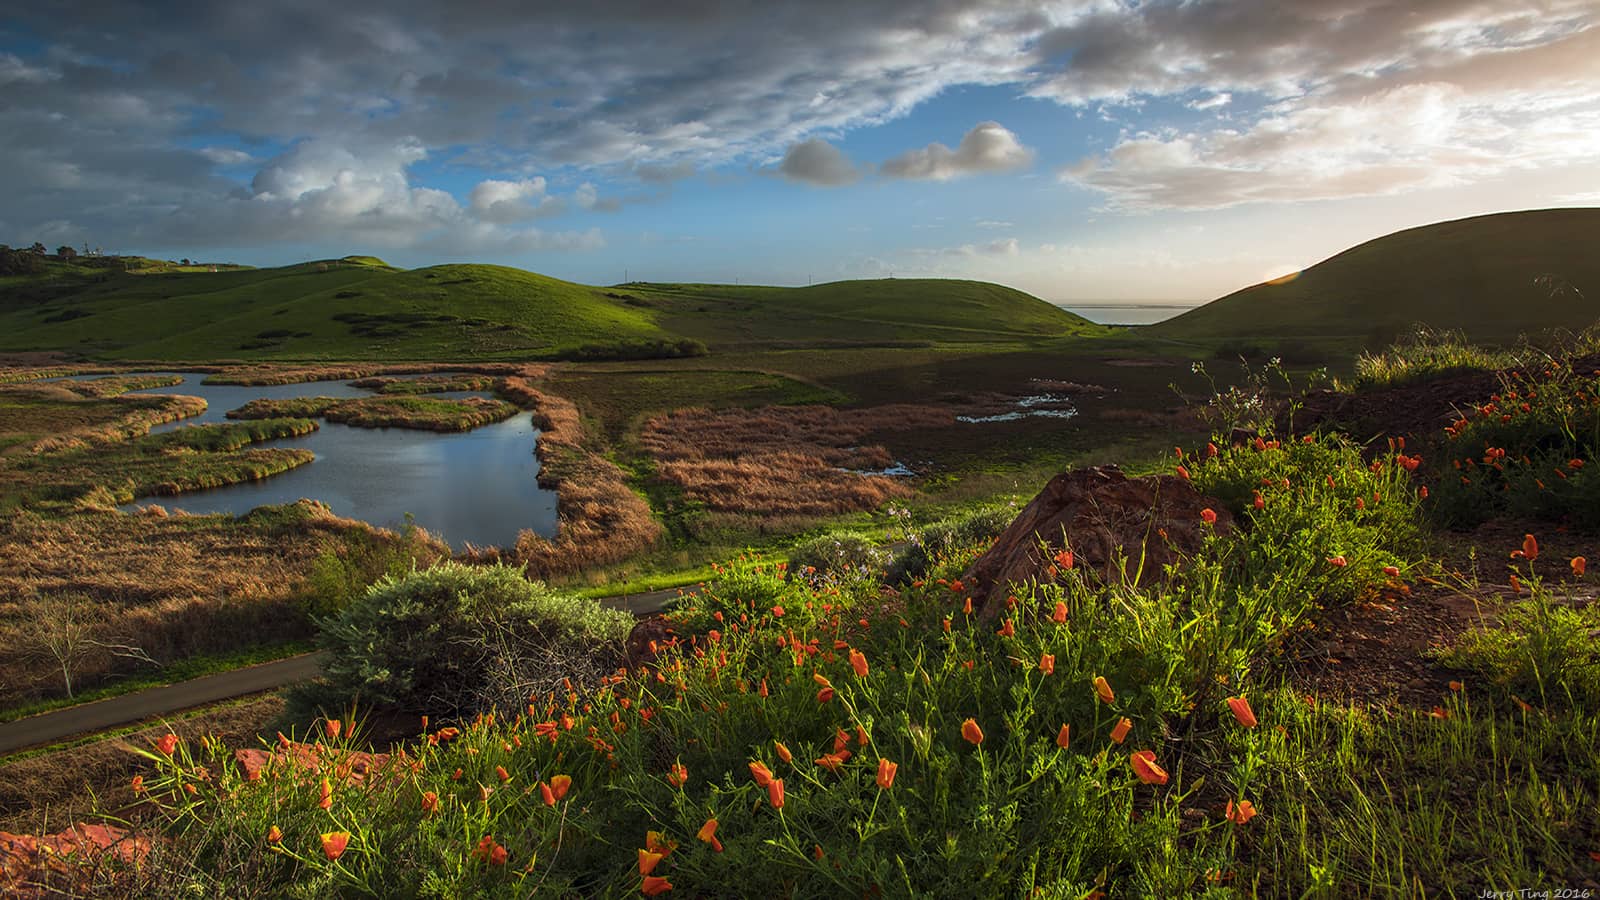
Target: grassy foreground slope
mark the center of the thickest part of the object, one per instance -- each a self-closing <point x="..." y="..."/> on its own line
<point x="1491" y="276"/>
<point x="359" y="307"/>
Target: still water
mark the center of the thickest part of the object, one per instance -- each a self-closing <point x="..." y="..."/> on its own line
<point x="477" y="487"/>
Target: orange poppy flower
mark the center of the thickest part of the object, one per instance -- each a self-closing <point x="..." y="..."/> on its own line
<point x="1242" y="711"/>
<point x="678" y="774"/>
<point x="1391" y="571"/>
<point x="560" y="784"/>
<point x="1007" y="629"/>
<point x="1240" y="814"/>
<point x="648" y="860"/>
<point x="1144" y="765"/>
<point x="886" y="770"/>
<point x="1578" y="565"/>
<point x="1064" y="559"/>
<point x="1183" y="473"/>
<point x="1440" y="712"/>
<point x="1121" y="729"/>
<point x="825" y="694"/>
<point x="137" y="784"/>
<point x="654" y="885"/>
<point x="1209" y="515"/>
<point x="334" y="844"/>
<point x="760" y="772"/>
<point x="1064" y="736"/>
<point x="832" y="761"/>
<point x="1259" y="502"/>
<point x="1530" y="547"/>
<point x="1047" y="663"/>
<point x="325" y="795"/>
<point x="1338" y="561"/>
<point x="167" y="744"/>
<point x="430" y="801"/>
<point x="274" y="835"/>
<point x="967" y="607"/>
<point x="858" y="662"/>
<point x="332" y="727"/>
<point x="783" y="752"/>
<point x="546" y="793"/>
<point x="775" y="792"/>
<point x="501" y="773"/>
<point x="1061" y="612"/>
<point x="1103" y="689"/>
<point x="971" y="731"/>
<point x="1456" y="686"/>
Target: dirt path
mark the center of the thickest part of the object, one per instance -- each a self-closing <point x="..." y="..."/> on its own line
<point x="47" y="728"/>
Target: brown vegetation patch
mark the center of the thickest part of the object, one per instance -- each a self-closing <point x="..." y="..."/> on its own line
<point x="172" y="586"/>
<point x="419" y="412"/>
<point x="268" y="374"/>
<point x="783" y="461"/>
<point x="602" y="520"/>
<point x="52" y="417"/>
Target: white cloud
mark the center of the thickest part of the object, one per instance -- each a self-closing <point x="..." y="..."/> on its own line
<point x="1001" y="247"/>
<point x="508" y="202"/>
<point x="988" y="147"/>
<point x="1412" y="137"/>
<point x="992" y="223"/>
<point x="818" y="162"/>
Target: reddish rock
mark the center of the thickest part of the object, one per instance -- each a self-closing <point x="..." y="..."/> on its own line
<point x="648" y="635"/>
<point x="1100" y="514"/>
<point x="342" y="766"/>
<point x="70" y="862"/>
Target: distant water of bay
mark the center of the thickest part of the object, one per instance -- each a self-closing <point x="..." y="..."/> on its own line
<point x="1125" y="312"/>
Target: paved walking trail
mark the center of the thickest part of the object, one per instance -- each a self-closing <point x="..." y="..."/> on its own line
<point x="47" y="728"/>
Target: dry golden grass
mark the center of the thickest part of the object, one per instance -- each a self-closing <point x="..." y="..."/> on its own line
<point x="266" y="374"/>
<point x="783" y="465"/>
<point x="173" y="586"/>
<point x="44" y="418"/>
<point x="602" y="520"/>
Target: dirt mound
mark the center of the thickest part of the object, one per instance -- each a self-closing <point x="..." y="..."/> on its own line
<point x="1418" y="410"/>
<point x="1108" y="521"/>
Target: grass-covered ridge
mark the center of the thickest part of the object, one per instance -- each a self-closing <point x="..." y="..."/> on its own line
<point x="361" y="308"/>
<point x="1491" y="277"/>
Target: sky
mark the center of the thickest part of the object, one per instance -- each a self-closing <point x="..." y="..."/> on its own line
<point x="1102" y="150"/>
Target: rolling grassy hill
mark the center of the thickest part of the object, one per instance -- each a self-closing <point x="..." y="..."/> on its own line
<point x="1491" y="276"/>
<point x="360" y="307"/>
<point x="887" y="309"/>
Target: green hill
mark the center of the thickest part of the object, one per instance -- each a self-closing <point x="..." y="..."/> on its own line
<point x="360" y="307"/>
<point x="1492" y="277"/>
<point x="887" y="309"/>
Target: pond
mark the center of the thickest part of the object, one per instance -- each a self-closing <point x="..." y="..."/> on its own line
<point x="479" y="487"/>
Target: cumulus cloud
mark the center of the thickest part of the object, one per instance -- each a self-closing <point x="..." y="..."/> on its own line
<point x="818" y="162"/>
<point x="506" y="202"/>
<point x="988" y="147"/>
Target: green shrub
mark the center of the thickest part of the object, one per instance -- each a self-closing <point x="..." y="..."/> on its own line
<point x="931" y="544"/>
<point x="455" y="639"/>
<point x="837" y="556"/>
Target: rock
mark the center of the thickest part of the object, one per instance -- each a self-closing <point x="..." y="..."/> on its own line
<point x="648" y="635"/>
<point x="1104" y="517"/>
<point x="70" y="862"/>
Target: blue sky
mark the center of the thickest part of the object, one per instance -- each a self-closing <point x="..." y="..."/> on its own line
<point x="1097" y="150"/>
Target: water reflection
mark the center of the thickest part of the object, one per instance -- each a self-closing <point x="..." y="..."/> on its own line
<point x="478" y="487"/>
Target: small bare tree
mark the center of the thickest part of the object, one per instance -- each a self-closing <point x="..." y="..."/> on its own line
<point x="64" y="630"/>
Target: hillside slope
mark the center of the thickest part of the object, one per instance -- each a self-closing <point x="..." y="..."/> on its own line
<point x="886" y="309"/>
<point x="359" y="307"/>
<point x="356" y="307"/>
<point x="1491" y="276"/>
